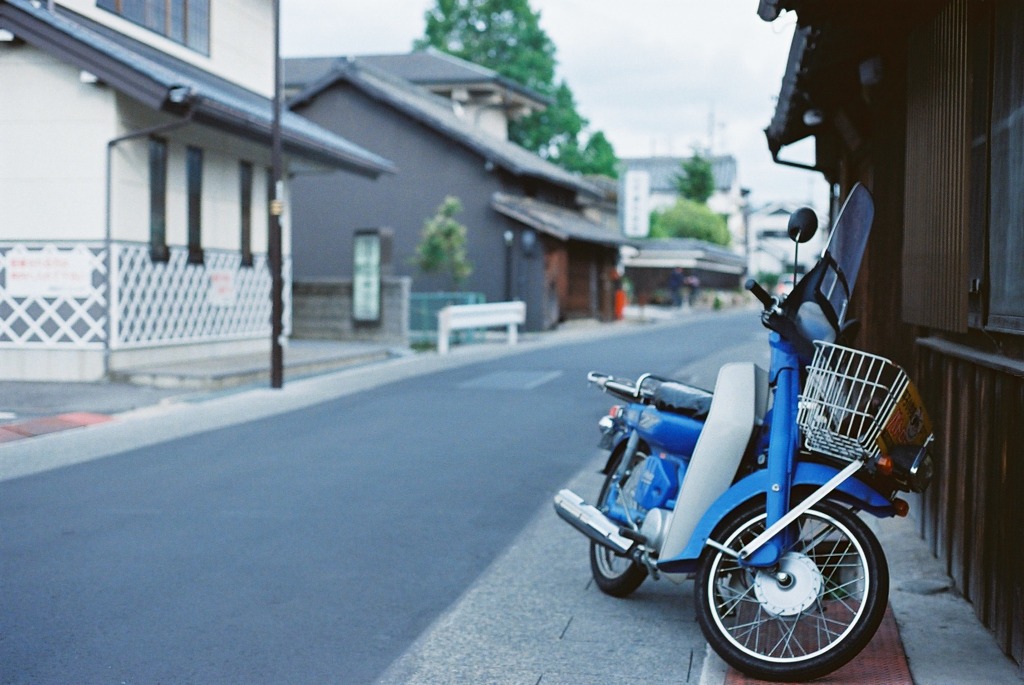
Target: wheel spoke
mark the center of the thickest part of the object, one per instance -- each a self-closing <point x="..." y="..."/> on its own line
<point x="851" y="609"/>
<point x="812" y="541"/>
<point x="752" y="628"/>
<point x="821" y="627"/>
<point x="824" y="622"/>
<point x="832" y="586"/>
<point x="728" y="608"/>
<point x="794" y="639"/>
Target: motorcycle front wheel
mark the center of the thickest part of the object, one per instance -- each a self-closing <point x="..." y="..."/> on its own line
<point x="613" y="574"/>
<point x="804" y="617"/>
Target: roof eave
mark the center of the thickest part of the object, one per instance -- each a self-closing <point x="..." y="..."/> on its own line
<point x="349" y="75"/>
<point x="505" y="205"/>
<point x="783" y="129"/>
<point x="528" y="220"/>
<point x="216" y="115"/>
<point x="155" y="93"/>
<point x="146" y="90"/>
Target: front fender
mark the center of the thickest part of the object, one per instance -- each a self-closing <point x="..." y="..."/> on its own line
<point x="851" y="491"/>
<point x="615" y="443"/>
<point x="614" y="439"/>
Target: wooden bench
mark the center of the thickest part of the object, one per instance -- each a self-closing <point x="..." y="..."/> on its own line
<point x="488" y="315"/>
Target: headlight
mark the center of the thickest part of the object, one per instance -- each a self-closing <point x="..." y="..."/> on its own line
<point x="608" y="422"/>
<point x="912" y="466"/>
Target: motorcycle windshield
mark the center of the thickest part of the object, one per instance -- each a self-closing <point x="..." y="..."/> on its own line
<point x="845" y="250"/>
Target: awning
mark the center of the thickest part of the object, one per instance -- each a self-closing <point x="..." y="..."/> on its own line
<point x="686" y="253"/>
<point x="560" y="223"/>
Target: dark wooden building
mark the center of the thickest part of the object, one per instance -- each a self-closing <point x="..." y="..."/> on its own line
<point x="923" y="102"/>
<point x="528" y="237"/>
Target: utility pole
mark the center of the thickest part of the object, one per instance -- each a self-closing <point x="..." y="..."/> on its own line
<point x="274" y="251"/>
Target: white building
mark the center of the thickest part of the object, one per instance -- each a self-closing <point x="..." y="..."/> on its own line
<point x="728" y="198"/>
<point x="134" y="168"/>
<point x="771" y="250"/>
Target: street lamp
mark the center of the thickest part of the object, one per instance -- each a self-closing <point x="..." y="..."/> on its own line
<point x="274" y="251"/>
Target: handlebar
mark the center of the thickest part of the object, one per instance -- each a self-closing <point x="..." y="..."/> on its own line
<point x="774" y="318"/>
<point x="621" y="387"/>
<point x="760" y="293"/>
<point x="625" y="388"/>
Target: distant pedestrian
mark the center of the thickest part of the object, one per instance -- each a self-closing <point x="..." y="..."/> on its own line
<point x="675" y="284"/>
<point x="693" y="286"/>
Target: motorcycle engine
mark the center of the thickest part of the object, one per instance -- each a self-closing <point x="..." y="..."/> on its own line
<point x="657" y="488"/>
<point x="658" y="484"/>
<point x="655" y="526"/>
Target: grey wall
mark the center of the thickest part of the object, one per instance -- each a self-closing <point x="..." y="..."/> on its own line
<point x="328" y="208"/>
<point x="322" y="310"/>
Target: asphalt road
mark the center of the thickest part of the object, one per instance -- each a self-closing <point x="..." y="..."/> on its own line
<point x="308" y="546"/>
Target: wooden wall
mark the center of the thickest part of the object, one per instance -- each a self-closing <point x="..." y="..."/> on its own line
<point x="973" y="514"/>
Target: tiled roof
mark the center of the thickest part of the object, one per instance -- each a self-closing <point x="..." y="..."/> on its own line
<point x="559" y="222"/>
<point x="428" y="67"/>
<point x="663" y="171"/>
<point x="435" y="112"/>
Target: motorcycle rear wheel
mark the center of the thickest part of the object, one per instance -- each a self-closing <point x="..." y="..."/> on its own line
<point x="807" y="616"/>
<point x="614" y="574"/>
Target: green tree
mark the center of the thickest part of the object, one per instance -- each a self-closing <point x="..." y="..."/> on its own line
<point x="503" y="35"/>
<point x="442" y="246"/>
<point x="506" y="36"/>
<point x="596" y="157"/>
<point x="696" y="180"/>
<point x="690" y="219"/>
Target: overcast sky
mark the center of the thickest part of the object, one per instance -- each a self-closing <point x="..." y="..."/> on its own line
<point x="657" y="76"/>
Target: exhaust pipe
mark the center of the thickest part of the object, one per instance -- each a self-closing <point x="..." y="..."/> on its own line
<point x="591" y="522"/>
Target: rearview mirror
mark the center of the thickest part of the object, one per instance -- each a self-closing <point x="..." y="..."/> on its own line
<point x="803" y="224"/>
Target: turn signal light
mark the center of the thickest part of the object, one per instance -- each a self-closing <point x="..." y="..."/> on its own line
<point x="884" y="465"/>
<point x="901" y="506"/>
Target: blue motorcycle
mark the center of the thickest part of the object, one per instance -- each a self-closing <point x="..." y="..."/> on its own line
<point x="754" y="490"/>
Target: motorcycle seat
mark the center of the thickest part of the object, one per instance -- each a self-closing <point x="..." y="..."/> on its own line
<point x="679" y="398"/>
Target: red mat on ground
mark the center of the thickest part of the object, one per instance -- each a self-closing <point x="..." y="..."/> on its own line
<point x="49" y="424"/>
<point x="883" y="662"/>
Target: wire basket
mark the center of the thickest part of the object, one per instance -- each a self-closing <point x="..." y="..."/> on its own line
<point x="847" y="401"/>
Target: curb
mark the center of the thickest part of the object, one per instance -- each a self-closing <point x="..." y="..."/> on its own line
<point x="198" y="378"/>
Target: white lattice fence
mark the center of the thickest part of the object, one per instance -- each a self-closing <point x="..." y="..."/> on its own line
<point x="53" y="295"/>
<point x="171" y="302"/>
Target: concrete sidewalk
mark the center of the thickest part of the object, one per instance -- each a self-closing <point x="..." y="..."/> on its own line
<point x="301" y="358"/>
<point x="29" y="409"/>
<point x="533" y="617"/>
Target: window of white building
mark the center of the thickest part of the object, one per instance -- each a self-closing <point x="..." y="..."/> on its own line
<point x="158" y="200"/>
<point x="245" y="202"/>
<point x="183" y="21"/>
<point x="194" y="183"/>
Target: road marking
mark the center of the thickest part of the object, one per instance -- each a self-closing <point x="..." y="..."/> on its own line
<point x="510" y="380"/>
